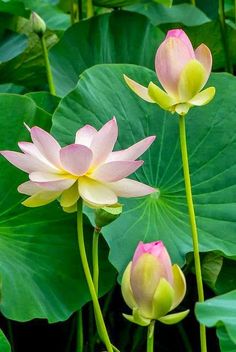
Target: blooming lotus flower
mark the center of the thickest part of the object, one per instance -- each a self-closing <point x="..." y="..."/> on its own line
<point x="152" y="287"/>
<point x="182" y="72"/>
<point x="87" y="168"/>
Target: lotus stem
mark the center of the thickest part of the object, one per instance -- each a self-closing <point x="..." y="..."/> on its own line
<point x="47" y="66"/>
<point x="188" y="188"/>
<point x="223" y="27"/>
<point x="150" y="337"/>
<point x="84" y="260"/>
<point x="80" y="332"/>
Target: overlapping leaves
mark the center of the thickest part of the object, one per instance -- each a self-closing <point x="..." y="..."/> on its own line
<point x="101" y="93"/>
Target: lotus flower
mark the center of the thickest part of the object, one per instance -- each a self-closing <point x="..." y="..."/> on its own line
<point x="182" y="73"/>
<point x="151" y="287"/>
<point x="88" y="168"/>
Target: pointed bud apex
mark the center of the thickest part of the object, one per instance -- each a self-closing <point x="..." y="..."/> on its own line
<point x="104" y="216"/>
<point x="38" y="24"/>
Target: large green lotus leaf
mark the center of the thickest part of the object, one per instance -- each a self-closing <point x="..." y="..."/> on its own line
<point x="226" y="344"/>
<point x="101" y="93"/>
<point x="40" y="269"/>
<point x="122" y="3"/>
<point x="185" y="14"/>
<point x="218" y="311"/>
<point x="102" y="39"/>
<point x="4" y="344"/>
<point x="45" y="100"/>
<point x="14" y="7"/>
<point x="11" y="46"/>
<point x="11" y="88"/>
<point x="226" y="280"/>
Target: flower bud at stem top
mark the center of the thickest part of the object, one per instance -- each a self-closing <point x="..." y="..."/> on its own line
<point x="38" y="24"/>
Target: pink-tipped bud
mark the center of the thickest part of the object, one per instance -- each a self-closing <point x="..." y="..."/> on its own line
<point x="151" y="286"/>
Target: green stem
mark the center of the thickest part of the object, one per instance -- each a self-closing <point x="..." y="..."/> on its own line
<point x="80" y="332"/>
<point x="90" y="11"/>
<point x="96" y="233"/>
<point x="84" y="260"/>
<point x="150" y="336"/>
<point x="235" y="11"/>
<point x="223" y="28"/>
<point x="11" y="336"/>
<point x="47" y="66"/>
<point x="184" y="152"/>
<point x="193" y="2"/>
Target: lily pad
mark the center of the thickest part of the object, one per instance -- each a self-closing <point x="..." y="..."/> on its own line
<point x="40" y="268"/>
<point x="185" y="14"/>
<point x="218" y="311"/>
<point x="102" y="39"/>
<point x="13" y="45"/>
<point x="4" y="344"/>
<point x="226" y="345"/>
<point x="101" y="93"/>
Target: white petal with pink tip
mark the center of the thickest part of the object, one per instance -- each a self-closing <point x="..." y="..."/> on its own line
<point x="115" y="170"/>
<point x="130" y="188"/>
<point x="133" y="152"/>
<point x="104" y="141"/>
<point x="85" y="135"/>
<point x="47" y="145"/>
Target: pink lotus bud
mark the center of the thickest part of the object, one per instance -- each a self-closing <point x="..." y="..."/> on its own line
<point x="151" y="286"/>
<point x="182" y="72"/>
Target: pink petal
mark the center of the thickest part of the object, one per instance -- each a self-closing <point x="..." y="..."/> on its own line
<point x="85" y="135"/>
<point x="29" y="188"/>
<point x="157" y="250"/>
<point x="24" y="162"/>
<point x="171" y="57"/>
<point x="48" y="177"/>
<point x="115" y="170"/>
<point x="31" y="149"/>
<point x="95" y="192"/>
<point x="76" y="159"/>
<point x="179" y="33"/>
<point x="203" y="55"/>
<point x="133" y="152"/>
<point x="47" y="145"/>
<point x="129" y="188"/>
<point x="104" y="141"/>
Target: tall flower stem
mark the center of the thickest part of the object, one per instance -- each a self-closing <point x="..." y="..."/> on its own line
<point x="47" y="66"/>
<point x="193" y="2"/>
<point x="96" y="233"/>
<point x="80" y="332"/>
<point x="187" y="180"/>
<point x="90" y="11"/>
<point x="150" y="337"/>
<point x="84" y="260"/>
<point x="223" y="28"/>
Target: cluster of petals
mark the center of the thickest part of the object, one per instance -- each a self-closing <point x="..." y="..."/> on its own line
<point x="88" y="168"/>
<point x="152" y="286"/>
<point x="182" y="72"/>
